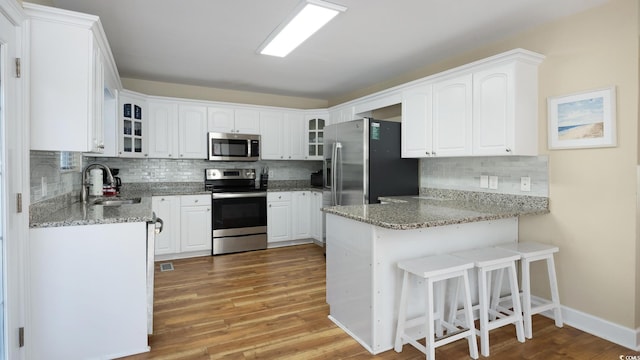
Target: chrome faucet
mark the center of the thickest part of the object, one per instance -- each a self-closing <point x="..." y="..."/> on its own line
<point x="110" y="181"/>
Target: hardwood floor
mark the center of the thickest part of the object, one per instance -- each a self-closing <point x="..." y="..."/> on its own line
<point x="270" y="304"/>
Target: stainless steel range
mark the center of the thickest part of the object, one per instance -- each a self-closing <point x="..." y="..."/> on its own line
<point x="239" y="216"/>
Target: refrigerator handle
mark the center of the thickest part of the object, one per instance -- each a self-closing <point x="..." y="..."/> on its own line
<point x="335" y="172"/>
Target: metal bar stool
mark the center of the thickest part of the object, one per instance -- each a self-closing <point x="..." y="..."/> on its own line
<point x="530" y="252"/>
<point x="487" y="260"/>
<point x="432" y="269"/>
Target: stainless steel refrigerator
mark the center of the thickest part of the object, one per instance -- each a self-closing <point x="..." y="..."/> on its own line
<point x="362" y="161"/>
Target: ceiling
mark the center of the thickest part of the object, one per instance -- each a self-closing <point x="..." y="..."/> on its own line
<point x="213" y="43"/>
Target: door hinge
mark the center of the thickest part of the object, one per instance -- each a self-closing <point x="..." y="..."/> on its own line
<point x="18" y="72"/>
<point x="21" y="337"/>
<point x="19" y="202"/>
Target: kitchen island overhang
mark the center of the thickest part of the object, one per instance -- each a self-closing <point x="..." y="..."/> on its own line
<point x="365" y="242"/>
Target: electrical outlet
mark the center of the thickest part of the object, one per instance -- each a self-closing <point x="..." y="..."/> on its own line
<point x="270" y="173"/>
<point x="43" y="189"/>
<point x="525" y="183"/>
<point x="484" y="181"/>
<point x="493" y="182"/>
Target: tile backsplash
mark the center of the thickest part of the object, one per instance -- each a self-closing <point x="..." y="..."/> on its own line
<point x="464" y="173"/>
<point x="48" y="180"/>
<point x="166" y="170"/>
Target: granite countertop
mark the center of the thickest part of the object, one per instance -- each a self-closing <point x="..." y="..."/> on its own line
<point x="72" y="212"/>
<point x="415" y="212"/>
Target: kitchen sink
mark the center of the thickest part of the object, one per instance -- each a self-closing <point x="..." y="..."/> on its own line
<point x="116" y="202"/>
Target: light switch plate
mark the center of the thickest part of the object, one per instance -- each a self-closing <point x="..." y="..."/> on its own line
<point x="484" y="181"/>
<point x="493" y="182"/>
<point x="525" y="183"/>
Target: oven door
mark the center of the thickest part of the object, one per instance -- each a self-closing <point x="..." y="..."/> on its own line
<point x="239" y="213"/>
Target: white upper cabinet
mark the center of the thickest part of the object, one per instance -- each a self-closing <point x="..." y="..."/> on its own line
<point x="314" y="130"/>
<point x="69" y="56"/>
<point x="282" y="135"/>
<point x="192" y="131"/>
<point x="228" y="120"/>
<point x="132" y="125"/>
<point x="417" y="122"/>
<point x="163" y="129"/>
<point x="505" y="110"/>
<point x="272" y="135"/>
<point x="490" y="108"/>
<point x="452" y="114"/>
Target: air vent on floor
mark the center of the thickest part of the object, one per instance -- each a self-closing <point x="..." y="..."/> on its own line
<point x="166" y="266"/>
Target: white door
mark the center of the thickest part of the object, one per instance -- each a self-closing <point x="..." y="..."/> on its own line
<point x="193" y="132"/>
<point x="14" y="167"/>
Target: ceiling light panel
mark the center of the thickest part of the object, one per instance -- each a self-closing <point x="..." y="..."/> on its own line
<point x="307" y="18"/>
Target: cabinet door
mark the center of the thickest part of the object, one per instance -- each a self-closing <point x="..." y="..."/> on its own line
<point x="168" y="209"/>
<point x="133" y="127"/>
<point x="192" y="123"/>
<point x="314" y="130"/>
<point x="97" y="126"/>
<point x="417" y="122"/>
<point x="271" y="131"/>
<point x="452" y="116"/>
<point x="220" y="120"/>
<point x="301" y="214"/>
<point x="279" y="217"/>
<point x="247" y="121"/>
<point x="493" y="111"/>
<point x="163" y="130"/>
<point x="316" y="215"/>
<point x="293" y="136"/>
<point x="195" y="228"/>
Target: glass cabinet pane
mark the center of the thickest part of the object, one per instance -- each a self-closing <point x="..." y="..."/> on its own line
<point x="138" y="147"/>
<point x="127" y="144"/>
<point x="312" y="124"/>
<point x="127" y="127"/>
<point x="320" y="124"/>
<point x="320" y="150"/>
<point x="137" y="128"/>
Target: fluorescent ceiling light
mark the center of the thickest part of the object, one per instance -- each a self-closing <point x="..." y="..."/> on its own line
<point x="307" y="18"/>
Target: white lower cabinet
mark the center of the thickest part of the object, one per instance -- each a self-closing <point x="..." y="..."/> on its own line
<point x="301" y="205"/>
<point x="195" y="223"/>
<point x="315" y="209"/>
<point x="167" y="208"/>
<point x="279" y="217"/>
<point x="187" y="226"/>
<point x="88" y="287"/>
<point x="293" y="216"/>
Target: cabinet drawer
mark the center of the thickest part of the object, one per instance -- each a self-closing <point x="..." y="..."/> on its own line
<point x="195" y="200"/>
<point x="278" y="196"/>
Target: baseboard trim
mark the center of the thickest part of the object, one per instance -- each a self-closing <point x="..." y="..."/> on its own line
<point x="596" y="326"/>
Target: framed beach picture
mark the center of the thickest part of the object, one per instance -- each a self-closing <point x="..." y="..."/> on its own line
<point x="583" y="120"/>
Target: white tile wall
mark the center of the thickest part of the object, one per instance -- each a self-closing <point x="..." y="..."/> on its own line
<point x="46" y="164"/>
<point x="464" y="173"/>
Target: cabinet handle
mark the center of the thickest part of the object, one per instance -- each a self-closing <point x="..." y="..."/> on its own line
<point x="428" y="153"/>
<point x="196" y="200"/>
<point x="169" y="155"/>
<point x="162" y="199"/>
<point x="508" y="150"/>
<point x="433" y="153"/>
<point x="269" y="205"/>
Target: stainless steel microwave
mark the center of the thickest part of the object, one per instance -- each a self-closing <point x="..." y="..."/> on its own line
<point x="233" y="147"/>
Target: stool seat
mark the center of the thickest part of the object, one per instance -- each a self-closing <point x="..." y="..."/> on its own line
<point x="530" y="252"/>
<point x="434" y="265"/>
<point x="487" y="260"/>
<point x="530" y="249"/>
<point x="436" y="269"/>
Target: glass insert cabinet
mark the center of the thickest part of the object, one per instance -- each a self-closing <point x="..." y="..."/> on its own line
<point x="315" y="131"/>
<point x="133" y="128"/>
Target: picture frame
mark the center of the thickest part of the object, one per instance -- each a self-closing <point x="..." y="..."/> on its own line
<point x="582" y="120"/>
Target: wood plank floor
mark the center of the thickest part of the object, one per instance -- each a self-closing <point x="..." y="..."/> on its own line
<point x="270" y="304"/>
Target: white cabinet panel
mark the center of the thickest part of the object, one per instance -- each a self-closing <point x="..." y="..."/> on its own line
<point x="247" y="121"/>
<point x="192" y="129"/>
<point x="167" y="208"/>
<point x="316" y="215"/>
<point x="272" y="132"/>
<point x="195" y="228"/>
<point x="301" y="214"/>
<point x="163" y="129"/>
<point x="505" y="120"/>
<point x="294" y="134"/>
<point x="88" y="291"/>
<point x="66" y="73"/>
<point x="417" y="122"/>
<point x="452" y="116"/>
<point x="279" y="217"/>
<point x="221" y="120"/>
